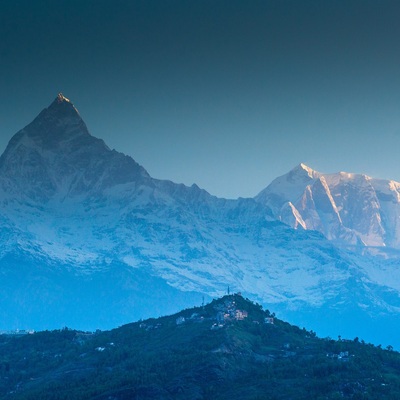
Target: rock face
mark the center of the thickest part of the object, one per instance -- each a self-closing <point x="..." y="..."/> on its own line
<point x="351" y="209"/>
<point x="55" y="157"/>
<point x="90" y="240"/>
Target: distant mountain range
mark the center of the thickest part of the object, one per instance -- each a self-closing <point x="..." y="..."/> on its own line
<point x="90" y="240"/>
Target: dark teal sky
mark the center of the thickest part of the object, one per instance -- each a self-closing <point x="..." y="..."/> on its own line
<point x="226" y="94"/>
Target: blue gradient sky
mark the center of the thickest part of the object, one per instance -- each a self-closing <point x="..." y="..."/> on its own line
<point x="226" y="94"/>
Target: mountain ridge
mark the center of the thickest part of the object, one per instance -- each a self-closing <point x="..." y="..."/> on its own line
<point x="92" y="217"/>
<point x="354" y="209"/>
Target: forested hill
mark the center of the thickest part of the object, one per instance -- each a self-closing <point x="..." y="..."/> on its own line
<point x="228" y="349"/>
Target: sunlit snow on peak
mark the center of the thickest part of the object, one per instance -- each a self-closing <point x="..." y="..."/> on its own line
<point x="61" y="98"/>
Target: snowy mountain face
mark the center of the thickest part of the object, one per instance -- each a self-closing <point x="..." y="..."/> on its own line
<point x="90" y="240"/>
<point x="351" y="209"/>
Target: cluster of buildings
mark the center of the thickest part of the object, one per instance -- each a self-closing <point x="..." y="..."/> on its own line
<point x="149" y="327"/>
<point x="342" y="356"/>
<point x="225" y="312"/>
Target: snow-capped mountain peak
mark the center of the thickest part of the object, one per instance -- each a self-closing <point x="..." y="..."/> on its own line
<point x="302" y="169"/>
<point x="87" y="234"/>
<point x="347" y="207"/>
<point x="52" y="128"/>
<point x="287" y="188"/>
<point x="55" y="155"/>
<point x="61" y="98"/>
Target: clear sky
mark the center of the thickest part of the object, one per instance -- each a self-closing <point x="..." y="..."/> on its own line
<point x="226" y="94"/>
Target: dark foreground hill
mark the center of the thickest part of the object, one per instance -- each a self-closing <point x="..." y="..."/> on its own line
<point x="228" y="349"/>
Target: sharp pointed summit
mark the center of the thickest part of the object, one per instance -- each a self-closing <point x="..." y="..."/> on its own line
<point x="61" y="120"/>
<point x="303" y="170"/>
<point x="57" y="151"/>
<point x="287" y="188"/>
<point x="62" y="107"/>
<point x="55" y="125"/>
<point x="61" y="98"/>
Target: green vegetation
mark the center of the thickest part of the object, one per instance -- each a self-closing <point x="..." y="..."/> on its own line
<point x="224" y="350"/>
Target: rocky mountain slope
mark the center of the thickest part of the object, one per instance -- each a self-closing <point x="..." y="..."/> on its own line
<point x="351" y="209"/>
<point x="90" y="240"/>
